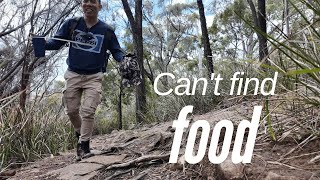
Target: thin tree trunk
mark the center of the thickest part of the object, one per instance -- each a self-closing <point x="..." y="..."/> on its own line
<point x="136" y="26"/>
<point x="262" y="18"/>
<point x="23" y="85"/>
<point x="287" y="18"/>
<point x="259" y="19"/>
<point x="205" y="38"/>
<point x="26" y="70"/>
<point x="119" y="106"/>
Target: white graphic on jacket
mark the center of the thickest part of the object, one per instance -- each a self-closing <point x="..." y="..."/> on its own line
<point x="95" y="41"/>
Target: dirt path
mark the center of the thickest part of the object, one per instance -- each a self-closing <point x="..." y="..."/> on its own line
<point x="143" y="154"/>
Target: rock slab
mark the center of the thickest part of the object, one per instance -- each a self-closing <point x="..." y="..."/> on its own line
<point x="105" y="160"/>
<point x="76" y="171"/>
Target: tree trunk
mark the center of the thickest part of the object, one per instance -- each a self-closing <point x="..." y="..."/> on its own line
<point x="23" y="85"/>
<point x="136" y="26"/>
<point x="260" y="23"/>
<point x="119" y="106"/>
<point x="205" y="38"/>
<point x="262" y="18"/>
<point x="140" y="90"/>
<point x="287" y="18"/>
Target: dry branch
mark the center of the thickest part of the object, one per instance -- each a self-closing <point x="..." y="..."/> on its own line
<point x="141" y="175"/>
<point x="286" y="165"/>
<point x="117" y="174"/>
<point x="306" y="141"/>
<point x="138" y="160"/>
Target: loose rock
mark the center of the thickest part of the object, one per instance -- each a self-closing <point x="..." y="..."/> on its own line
<point x="227" y="170"/>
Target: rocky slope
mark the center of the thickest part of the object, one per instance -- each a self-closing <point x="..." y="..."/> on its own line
<point x="143" y="154"/>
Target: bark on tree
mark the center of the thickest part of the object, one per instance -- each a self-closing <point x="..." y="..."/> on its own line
<point x="136" y="26"/>
<point x="25" y="78"/>
<point x="260" y="21"/>
<point x="205" y="38"/>
<point x="287" y="17"/>
<point x="119" y="105"/>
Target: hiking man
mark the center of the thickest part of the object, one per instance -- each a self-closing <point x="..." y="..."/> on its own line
<point x="86" y="64"/>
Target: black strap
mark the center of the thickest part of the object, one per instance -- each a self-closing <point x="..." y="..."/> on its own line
<point x="74" y="23"/>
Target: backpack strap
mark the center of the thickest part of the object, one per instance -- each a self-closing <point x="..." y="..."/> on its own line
<point x="72" y="27"/>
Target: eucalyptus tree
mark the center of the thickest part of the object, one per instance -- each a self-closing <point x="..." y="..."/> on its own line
<point x="260" y="21"/>
<point x="171" y="35"/>
<point x="205" y="38"/>
<point x="231" y="37"/>
<point x="18" y="65"/>
<point x="136" y="27"/>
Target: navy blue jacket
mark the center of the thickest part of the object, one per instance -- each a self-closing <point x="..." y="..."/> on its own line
<point x="85" y="59"/>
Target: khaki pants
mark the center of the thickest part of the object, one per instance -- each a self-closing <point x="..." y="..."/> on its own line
<point x="81" y="113"/>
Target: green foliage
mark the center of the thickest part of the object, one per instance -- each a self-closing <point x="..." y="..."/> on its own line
<point x="105" y="125"/>
<point x="107" y="115"/>
<point x="269" y="123"/>
<point x="295" y="57"/>
<point x="231" y="36"/>
<point x="36" y="133"/>
<point x="179" y="9"/>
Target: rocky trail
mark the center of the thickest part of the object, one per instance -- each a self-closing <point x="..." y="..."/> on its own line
<point x="144" y="153"/>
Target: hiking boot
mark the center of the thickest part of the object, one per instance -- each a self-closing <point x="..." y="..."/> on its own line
<point x="85" y="148"/>
<point x="79" y="151"/>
